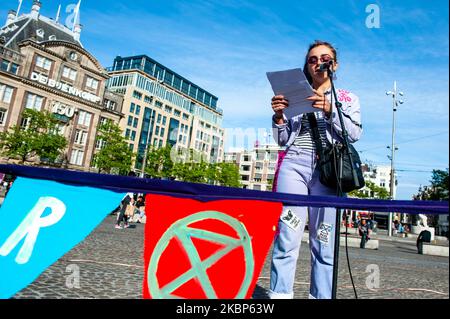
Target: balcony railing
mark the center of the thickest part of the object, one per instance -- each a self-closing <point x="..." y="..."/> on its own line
<point x="11" y="55"/>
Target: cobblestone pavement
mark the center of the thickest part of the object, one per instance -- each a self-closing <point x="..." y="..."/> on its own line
<point x="110" y="266"/>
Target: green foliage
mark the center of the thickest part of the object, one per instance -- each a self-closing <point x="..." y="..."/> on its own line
<point x="191" y="168"/>
<point x="228" y="174"/>
<point x="115" y="154"/>
<point x="39" y="138"/>
<point x="374" y="191"/>
<point x="159" y="163"/>
<point x="438" y="189"/>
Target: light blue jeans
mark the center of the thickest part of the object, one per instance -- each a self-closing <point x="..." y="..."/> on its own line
<point x="297" y="175"/>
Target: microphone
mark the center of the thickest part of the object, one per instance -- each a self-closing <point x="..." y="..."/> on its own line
<point x="325" y="66"/>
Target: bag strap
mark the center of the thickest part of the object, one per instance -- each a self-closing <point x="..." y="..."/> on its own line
<point x="315" y="134"/>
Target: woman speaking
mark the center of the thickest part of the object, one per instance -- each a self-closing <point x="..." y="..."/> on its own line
<point x="298" y="174"/>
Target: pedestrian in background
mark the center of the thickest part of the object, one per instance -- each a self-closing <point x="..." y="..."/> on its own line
<point x="122" y="217"/>
<point x="424" y="237"/>
<point x="364" y="232"/>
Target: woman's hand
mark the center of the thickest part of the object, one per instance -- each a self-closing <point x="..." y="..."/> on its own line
<point x="320" y="102"/>
<point x="279" y="103"/>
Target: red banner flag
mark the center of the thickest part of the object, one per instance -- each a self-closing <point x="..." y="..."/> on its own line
<point x="198" y="250"/>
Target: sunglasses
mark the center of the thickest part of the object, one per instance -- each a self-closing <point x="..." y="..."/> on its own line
<point x="324" y="58"/>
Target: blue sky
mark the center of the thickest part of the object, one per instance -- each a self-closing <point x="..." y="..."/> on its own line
<point x="227" y="46"/>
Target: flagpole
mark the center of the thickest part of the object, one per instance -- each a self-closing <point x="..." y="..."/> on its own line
<point x="77" y="14"/>
<point x="58" y="13"/>
<point x="18" y="8"/>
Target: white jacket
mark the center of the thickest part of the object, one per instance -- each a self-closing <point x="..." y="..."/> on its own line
<point x="285" y="134"/>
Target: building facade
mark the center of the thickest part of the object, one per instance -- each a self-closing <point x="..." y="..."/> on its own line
<point x="43" y="66"/>
<point x="256" y="167"/>
<point x="163" y="108"/>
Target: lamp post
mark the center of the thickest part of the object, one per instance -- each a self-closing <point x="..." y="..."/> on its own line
<point x="395" y="104"/>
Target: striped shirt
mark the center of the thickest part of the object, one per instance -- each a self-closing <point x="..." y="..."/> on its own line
<point x="304" y="139"/>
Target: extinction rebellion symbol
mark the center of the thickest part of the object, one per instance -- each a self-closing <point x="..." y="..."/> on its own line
<point x="184" y="234"/>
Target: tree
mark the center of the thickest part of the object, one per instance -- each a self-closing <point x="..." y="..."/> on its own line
<point x="159" y="163"/>
<point x="38" y="138"/>
<point x="191" y="167"/>
<point x="115" y="153"/>
<point x="371" y="190"/>
<point x="228" y="174"/>
<point x="438" y="190"/>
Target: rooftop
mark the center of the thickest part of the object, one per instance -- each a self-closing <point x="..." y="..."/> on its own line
<point x="33" y="26"/>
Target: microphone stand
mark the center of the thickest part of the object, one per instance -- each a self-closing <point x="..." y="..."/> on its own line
<point x="345" y="152"/>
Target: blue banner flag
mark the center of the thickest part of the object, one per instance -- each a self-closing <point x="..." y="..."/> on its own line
<point x="43" y="220"/>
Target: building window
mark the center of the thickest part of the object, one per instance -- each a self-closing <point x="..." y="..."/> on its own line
<point x="127" y="133"/>
<point x="2" y="116"/>
<point x="77" y="157"/>
<point x="5" y="93"/>
<point x="168" y="109"/>
<point x="158" y="120"/>
<point x="132" y="107"/>
<point x="80" y="137"/>
<point x="138" y="110"/>
<point x="158" y="104"/>
<point x="131" y="147"/>
<point x="84" y="118"/>
<point x="99" y="144"/>
<point x="177" y="113"/>
<point x="43" y="63"/>
<point x="160" y="143"/>
<point x="157" y="130"/>
<point x="162" y="132"/>
<point x="69" y="73"/>
<point x="133" y="135"/>
<point x="25" y="122"/>
<point x="104" y="120"/>
<point x="164" y="120"/>
<point x="130" y="120"/>
<point x="135" y="122"/>
<point x="148" y="99"/>
<point x="137" y="95"/>
<point x="110" y="105"/>
<point x="185" y="116"/>
<point x="91" y="83"/>
<point x="14" y="68"/>
<point x="8" y="66"/>
<point x="60" y="129"/>
<point x="5" y="65"/>
<point x="34" y="102"/>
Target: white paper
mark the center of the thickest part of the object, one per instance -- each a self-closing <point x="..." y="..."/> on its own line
<point x="295" y="88"/>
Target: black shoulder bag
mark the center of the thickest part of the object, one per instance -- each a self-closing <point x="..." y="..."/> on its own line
<point x="330" y="158"/>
